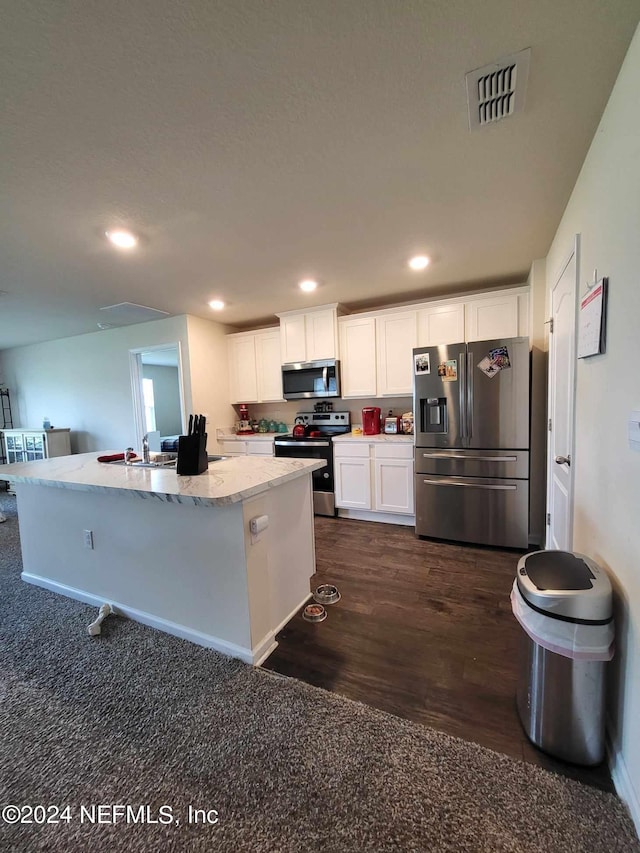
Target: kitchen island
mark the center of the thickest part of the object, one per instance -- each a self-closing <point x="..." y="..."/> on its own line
<point x="174" y="552"/>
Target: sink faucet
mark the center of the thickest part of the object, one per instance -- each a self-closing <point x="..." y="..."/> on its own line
<point x="145" y="448"/>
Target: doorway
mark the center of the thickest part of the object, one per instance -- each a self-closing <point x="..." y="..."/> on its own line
<point x="158" y="393"/>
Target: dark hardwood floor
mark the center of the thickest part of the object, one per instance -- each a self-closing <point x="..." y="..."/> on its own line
<point x="424" y="630"/>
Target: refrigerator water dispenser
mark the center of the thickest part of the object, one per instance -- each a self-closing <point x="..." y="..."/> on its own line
<point x="433" y="414"/>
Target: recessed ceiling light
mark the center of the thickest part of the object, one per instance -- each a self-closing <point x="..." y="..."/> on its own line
<point x="122" y="239"/>
<point x="216" y="304"/>
<point x="308" y="285"/>
<point x="420" y="262"/>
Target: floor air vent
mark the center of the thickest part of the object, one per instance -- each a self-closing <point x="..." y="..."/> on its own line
<point x="497" y="90"/>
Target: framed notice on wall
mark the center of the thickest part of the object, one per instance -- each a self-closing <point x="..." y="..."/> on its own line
<point x="592" y="320"/>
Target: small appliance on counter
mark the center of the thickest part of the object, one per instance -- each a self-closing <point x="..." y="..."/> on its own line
<point x="371" y="420"/>
<point x="392" y="424"/>
<point x="244" y="427"/>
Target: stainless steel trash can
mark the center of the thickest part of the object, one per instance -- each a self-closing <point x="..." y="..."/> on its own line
<point x="565" y="608"/>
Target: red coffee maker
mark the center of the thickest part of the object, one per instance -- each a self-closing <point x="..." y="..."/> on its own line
<point x="371" y="420"/>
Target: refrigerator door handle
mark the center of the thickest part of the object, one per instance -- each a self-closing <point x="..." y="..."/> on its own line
<point x="461" y="391"/>
<point x="469" y="394"/>
<point x="466" y="456"/>
<point x="490" y="487"/>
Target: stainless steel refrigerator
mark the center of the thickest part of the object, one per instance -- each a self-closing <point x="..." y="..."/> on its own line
<point x="471" y="409"/>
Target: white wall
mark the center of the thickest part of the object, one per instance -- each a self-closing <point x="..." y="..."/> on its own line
<point x="208" y="368"/>
<point x="84" y="382"/>
<point x="166" y="397"/>
<point x="605" y="210"/>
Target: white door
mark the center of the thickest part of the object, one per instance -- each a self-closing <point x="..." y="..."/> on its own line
<point x="562" y="358"/>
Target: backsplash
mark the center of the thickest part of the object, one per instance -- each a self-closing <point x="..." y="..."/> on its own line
<point x="287" y="410"/>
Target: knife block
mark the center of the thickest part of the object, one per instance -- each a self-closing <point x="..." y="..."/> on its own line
<point x="192" y="455"/>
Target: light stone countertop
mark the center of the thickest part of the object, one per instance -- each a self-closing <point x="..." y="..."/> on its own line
<point x="368" y="439"/>
<point x="227" y="481"/>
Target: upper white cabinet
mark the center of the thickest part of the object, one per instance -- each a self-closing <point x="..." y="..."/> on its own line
<point x="499" y="315"/>
<point x="358" y="356"/>
<point x="255" y="374"/>
<point x="310" y="335"/>
<point x="396" y="336"/>
<point x="268" y="369"/>
<point x="441" y="323"/>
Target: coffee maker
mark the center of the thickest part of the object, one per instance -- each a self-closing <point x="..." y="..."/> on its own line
<point x="371" y="420"/>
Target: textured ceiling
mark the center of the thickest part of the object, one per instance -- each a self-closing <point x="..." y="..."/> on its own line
<point x="252" y="143"/>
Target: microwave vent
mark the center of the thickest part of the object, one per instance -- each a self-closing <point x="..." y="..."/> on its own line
<point x="497" y="91"/>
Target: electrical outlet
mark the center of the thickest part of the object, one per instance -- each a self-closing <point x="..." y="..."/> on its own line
<point x="88" y="539"/>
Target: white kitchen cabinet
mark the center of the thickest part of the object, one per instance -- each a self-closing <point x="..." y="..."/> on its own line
<point x="246" y="446"/>
<point x="375" y="476"/>
<point x="255" y="374"/>
<point x="309" y="335"/>
<point x="352" y="473"/>
<point x="393" y="478"/>
<point x="22" y="445"/>
<point x="396" y="337"/>
<point x="441" y="324"/>
<point x="500" y="315"/>
<point x="268" y="366"/>
<point x="358" y="356"/>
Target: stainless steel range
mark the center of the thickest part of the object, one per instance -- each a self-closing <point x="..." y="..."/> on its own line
<point x="317" y="444"/>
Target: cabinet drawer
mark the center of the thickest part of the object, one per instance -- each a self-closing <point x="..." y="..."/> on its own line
<point x="352" y="450"/>
<point x="260" y="448"/>
<point x="234" y="448"/>
<point x="394" y="450"/>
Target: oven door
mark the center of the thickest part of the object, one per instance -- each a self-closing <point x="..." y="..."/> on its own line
<point x="323" y="497"/>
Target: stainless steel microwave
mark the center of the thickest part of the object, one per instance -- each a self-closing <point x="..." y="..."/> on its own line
<point x="311" y="379"/>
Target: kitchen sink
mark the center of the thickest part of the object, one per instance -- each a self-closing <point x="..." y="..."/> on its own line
<point x="139" y="463"/>
<point x="171" y="463"/>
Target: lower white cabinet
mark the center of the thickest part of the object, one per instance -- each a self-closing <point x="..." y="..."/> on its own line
<point x="352" y="473"/>
<point x="393" y="478"/>
<point x="246" y="447"/>
<point x="375" y="476"/>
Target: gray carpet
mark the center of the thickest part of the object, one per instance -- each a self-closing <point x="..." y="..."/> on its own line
<point x="139" y="718"/>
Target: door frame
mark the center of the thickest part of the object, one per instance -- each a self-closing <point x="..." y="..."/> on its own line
<point x="135" y="369"/>
<point x="574" y="253"/>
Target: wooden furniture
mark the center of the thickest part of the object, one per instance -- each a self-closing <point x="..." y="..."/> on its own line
<point x="29" y="445"/>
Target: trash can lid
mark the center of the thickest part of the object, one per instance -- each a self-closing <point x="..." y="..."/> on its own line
<point x="566" y="585"/>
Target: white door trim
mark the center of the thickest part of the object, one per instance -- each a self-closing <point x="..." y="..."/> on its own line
<point x="574" y="253"/>
<point x="135" y="369"/>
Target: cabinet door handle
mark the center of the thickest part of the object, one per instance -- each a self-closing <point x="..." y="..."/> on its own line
<point x="488" y="486"/>
<point x="474" y="458"/>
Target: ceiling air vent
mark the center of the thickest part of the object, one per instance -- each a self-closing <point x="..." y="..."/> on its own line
<point x="497" y="90"/>
<point x="126" y="313"/>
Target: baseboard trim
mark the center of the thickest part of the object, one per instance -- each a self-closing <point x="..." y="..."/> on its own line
<point x="382" y="517"/>
<point x="198" y="637"/>
<point x="269" y="639"/>
<point x="622" y="780"/>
